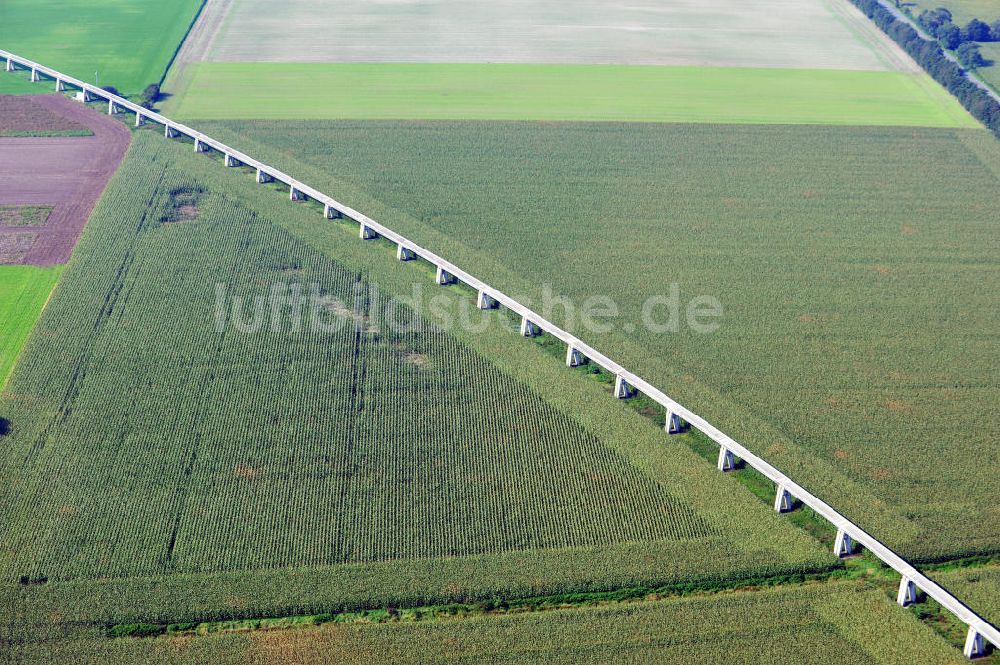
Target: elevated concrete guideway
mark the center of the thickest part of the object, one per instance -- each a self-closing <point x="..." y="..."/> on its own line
<point x="627" y="383"/>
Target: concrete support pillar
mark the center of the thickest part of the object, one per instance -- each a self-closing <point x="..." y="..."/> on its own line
<point x="782" y="500"/>
<point x="60" y="87"/>
<point x="111" y="107"/>
<point x="199" y="146"/>
<point x="140" y="120"/>
<point x="844" y="544"/>
<point x="169" y="131"/>
<point x="444" y="277"/>
<point x="331" y="213"/>
<point x="622" y="388"/>
<point x="368" y="233"/>
<point x="405" y="253"/>
<point x="262" y="177"/>
<point x="10" y="65"/>
<point x="484" y="301"/>
<point x="573" y="357"/>
<point x="294" y="194"/>
<point x="907" y="594"/>
<point x="529" y="329"/>
<point x="232" y="161"/>
<point x="726" y="460"/>
<point x="674" y="424"/>
<point x="975" y="646"/>
<point x="34" y="75"/>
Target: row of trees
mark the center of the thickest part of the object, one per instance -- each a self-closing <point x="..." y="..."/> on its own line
<point x="939" y="23"/>
<point x="931" y="57"/>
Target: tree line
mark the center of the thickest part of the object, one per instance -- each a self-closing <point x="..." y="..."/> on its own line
<point x="939" y="23"/>
<point x="931" y="57"/>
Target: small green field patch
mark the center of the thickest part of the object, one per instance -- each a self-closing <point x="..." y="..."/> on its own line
<point x="23" y="293"/>
<point x="24" y="215"/>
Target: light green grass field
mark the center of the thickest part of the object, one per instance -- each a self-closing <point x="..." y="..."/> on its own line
<point x="833" y="624"/>
<point x="23" y="293"/>
<point x="991" y="74"/>
<point x="565" y="92"/>
<point x="853" y="265"/>
<point x="128" y="43"/>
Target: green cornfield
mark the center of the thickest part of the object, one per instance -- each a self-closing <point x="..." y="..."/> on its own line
<point x="161" y="467"/>
<point x="852" y="265"/>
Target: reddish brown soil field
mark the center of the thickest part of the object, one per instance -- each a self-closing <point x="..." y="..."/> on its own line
<point x="67" y="173"/>
<point x="23" y="114"/>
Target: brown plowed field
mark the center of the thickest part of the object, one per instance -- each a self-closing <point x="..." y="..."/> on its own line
<point x="28" y="114"/>
<point x="67" y="173"/>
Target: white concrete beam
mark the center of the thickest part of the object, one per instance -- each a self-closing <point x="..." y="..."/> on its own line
<point x="331" y="213"/>
<point x="782" y="500"/>
<point x="262" y="177"/>
<point x="199" y="146"/>
<point x="623" y="390"/>
<point x="232" y="161"/>
<point x="368" y="233"/>
<point x="573" y="357"/>
<point x="726" y="460"/>
<point x="169" y="131"/>
<point x="111" y="107"/>
<point x="294" y="194"/>
<point x="907" y="594"/>
<point x="60" y="87"/>
<point x="404" y="253"/>
<point x="844" y="544"/>
<point x="484" y="301"/>
<point x="140" y="120"/>
<point x="10" y="65"/>
<point x="34" y="75"/>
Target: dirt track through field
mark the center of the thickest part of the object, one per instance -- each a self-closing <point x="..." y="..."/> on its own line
<point x="67" y="173"/>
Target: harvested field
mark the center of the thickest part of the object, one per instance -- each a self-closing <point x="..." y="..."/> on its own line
<point x="65" y="174"/>
<point x="22" y="115"/>
<point x="811" y="34"/>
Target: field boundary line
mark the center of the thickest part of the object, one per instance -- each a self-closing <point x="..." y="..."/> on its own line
<point x="849" y="534"/>
<point x="187" y="33"/>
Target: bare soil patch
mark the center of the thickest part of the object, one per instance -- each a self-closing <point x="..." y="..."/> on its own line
<point x="63" y="174"/>
<point x="14" y="246"/>
<point x="23" y="115"/>
<point x="184" y="204"/>
<point x="246" y="471"/>
<point x="418" y="359"/>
